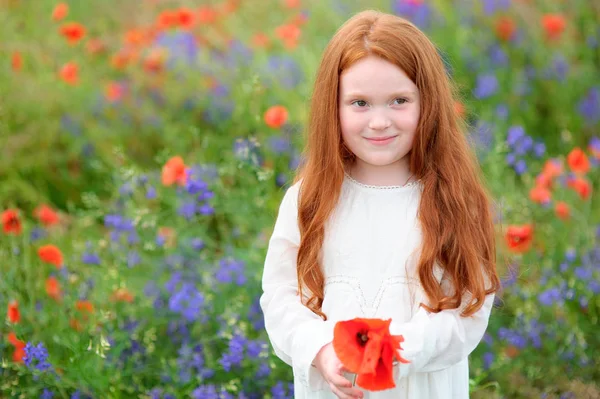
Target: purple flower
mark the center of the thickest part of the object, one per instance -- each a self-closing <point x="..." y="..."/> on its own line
<point x="229" y="270"/>
<point x="90" y="258"/>
<point x="511" y="158"/>
<point x="560" y="67"/>
<point x="515" y="134"/>
<point x="539" y="149"/>
<point x="133" y="258"/>
<point x="488" y="360"/>
<point x="502" y="111"/>
<point x="187" y="210"/>
<point x="247" y="150"/>
<point x="589" y="106"/>
<point x="197" y="244"/>
<point x="256" y="348"/>
<point x="283" y="71"/>
<point x="520" y="167"/>
<point x="583" y="273"/>
<point x="594" y="286"/>
<point x="486" y="86"/>
<point x="512" y="337"/>
<point x="36" y="356"/>
<point x="235" y="354"/>
<point x="150" y="192"/>
<point x="206" y="209"/>
<point x="263" y="371"/>
<point x="498" y="56"/>
<point x="550" y="296"/>
<point x="490" y="7"/>
<point x="37" y="233"/>
<point x="417" y="13"/>
<point x="47" y="394"/>
<point x="279" y="144"/>
<point x="188" y="302"/>
<point x="180" y="45"/>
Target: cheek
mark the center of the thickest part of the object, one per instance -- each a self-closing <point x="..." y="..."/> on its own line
<point x="350" y="123"/>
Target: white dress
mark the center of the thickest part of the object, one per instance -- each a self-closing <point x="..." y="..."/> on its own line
<point x="369" y="259"/>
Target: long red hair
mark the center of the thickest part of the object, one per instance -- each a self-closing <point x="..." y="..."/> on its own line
<point x="454" y="211"/>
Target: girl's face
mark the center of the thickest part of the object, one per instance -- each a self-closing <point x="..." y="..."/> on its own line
<point x="379" y="113"/>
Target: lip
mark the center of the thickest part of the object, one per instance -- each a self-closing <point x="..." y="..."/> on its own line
<point x="380" y="140"/>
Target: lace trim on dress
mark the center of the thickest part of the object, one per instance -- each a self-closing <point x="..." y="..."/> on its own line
<point x="412" y="183"/>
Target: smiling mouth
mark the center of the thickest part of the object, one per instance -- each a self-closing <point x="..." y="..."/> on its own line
<point x="380" y="138"/>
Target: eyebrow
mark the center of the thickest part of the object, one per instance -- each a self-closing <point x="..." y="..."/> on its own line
<point x="396" y="94"/>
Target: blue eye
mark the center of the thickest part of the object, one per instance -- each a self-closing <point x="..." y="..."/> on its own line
<point x="360" y="103"/>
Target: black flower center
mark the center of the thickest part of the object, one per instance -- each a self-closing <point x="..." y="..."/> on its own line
<point x="362" y="338"/>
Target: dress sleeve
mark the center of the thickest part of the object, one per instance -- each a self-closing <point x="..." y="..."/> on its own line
<point x="435" y="341"/>
<point x="296" y="333"/>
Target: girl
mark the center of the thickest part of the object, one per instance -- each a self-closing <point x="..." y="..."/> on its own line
<point x="388" y="218"/>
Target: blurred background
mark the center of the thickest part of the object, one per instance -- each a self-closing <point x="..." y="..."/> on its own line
<point x="145" y="147"/>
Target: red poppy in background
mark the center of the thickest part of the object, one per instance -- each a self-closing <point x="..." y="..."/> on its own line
<point x="185" y="18"/>
<point x="276" y="116"/>
<point x="519" y="238"/>
<point x="459" y="108"/>
<point x="581" y="187"/>
<point x="95" y="46"/>
<point x="562" y="210"/>
<point x="73" y="32"/>
<point x="122" y="295"/>
<point x="540" y="194"/>
<point x="13" y="314"/>
<point x="260" y="40"/>
<point x="289" y="34"/>
<point x="167" y="19"/>
<point x="292" y="3"/>
<point x="19" y="345"/>
<point x="554" y="25"/>
<point x="69" y="73"/>
<point x="174" y="172"/>
<point x="53" y="288"/>
<point x="46" y="215"/>
<point x="11" y="223"/>
<point x="207" y="15"/>
<point x="17" y="61"/>
<point x="505" y="28"/>
<point x="366" y="347"/>
<point x="51" y="254"/>
<point x="578" y="161"/>
<point x="60" y="12"/>
<point x="84" y="306"/>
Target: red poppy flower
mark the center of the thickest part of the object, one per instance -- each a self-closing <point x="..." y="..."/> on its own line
<point x="60" y="11"/>
<point x="95" y="46"/>
<point x="519" y="238"/>
<point x="167" y="19"/>
<point x="51" y="254"/>
<point x="122" y="295"/>
<point x="13" y="314"/>
<point x="553" y="168"/>
<point x="46" y="215"/>
<point x="366" y="347"/>
<point x="70" y="73"/>
<point x="174" y="172"/>
<point x="562" y="210"/>
<point x="554" y="25"/>
<point x="84" y="306"/>
<point x="207" y="15"/>
<point x="289" y="34"/>
<point x="578" y="161"/>
<point x="185" y="18"/>
<point x="540" y="194"/>
<point x="73" y="32"/>
<point x="114" y="92"/>
<point x="19" y="345"/>
<point x="276" y="116"/>
<point x="581" y="186"/>
<point x="292" y="3"/>
<point x="17" y="61"/>
<point x="11" y="222"/>
<point x="260" y="40"/>
<point x="53" y="288"/>
<point x="505" y="28"/>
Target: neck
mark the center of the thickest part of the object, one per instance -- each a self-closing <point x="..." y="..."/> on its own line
<point x="397" y="174"/>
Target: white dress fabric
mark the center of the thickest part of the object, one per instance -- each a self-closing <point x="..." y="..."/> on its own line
<point x="369" y="259"/>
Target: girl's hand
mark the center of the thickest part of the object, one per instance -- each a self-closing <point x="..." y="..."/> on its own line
<point x="332" y="370"/>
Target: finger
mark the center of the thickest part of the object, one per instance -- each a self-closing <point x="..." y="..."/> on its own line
<point x="337" y="392"/>
<point x="340" y="381"/>
<point x="353" y="392"/>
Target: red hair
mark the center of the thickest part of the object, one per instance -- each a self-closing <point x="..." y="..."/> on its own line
<point x="454" y="211"/>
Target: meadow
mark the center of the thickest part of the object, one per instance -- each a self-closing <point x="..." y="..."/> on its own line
<point x="145" y="147"/>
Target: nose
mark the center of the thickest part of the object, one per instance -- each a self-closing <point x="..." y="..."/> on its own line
<point x="379" y="121"/>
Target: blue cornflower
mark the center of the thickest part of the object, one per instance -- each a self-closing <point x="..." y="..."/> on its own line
<point x="187" y="209"/>
<point x="550" y="297"/>
<point x="36" y="356"/>
<point x="521" y="167"/>
<point x="263" y="371"/>
<point x="283" y="71"/>
<point x="512" y="337"/>
<point x="47" y="394"/>
<point x="188" y="302"/>
<point x="539" y="149"/>
<point x="418" y="13"/>
<point x="235" y="354"/>
<point x="197" y="244"/>
<point x="589" y="106"/>
<point x="280" y="144"/>
<point x="150" y="192"/>
<point x="488" y="360"/>
<point x="229" y="270"/>
<point x="90" y="258"/>
<point x="205" y="392"/>
<point x="133" y="258"/>
<point x="37" y="233"/>
<point x="256" y="348"/>
<point x="486" y="86"/>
